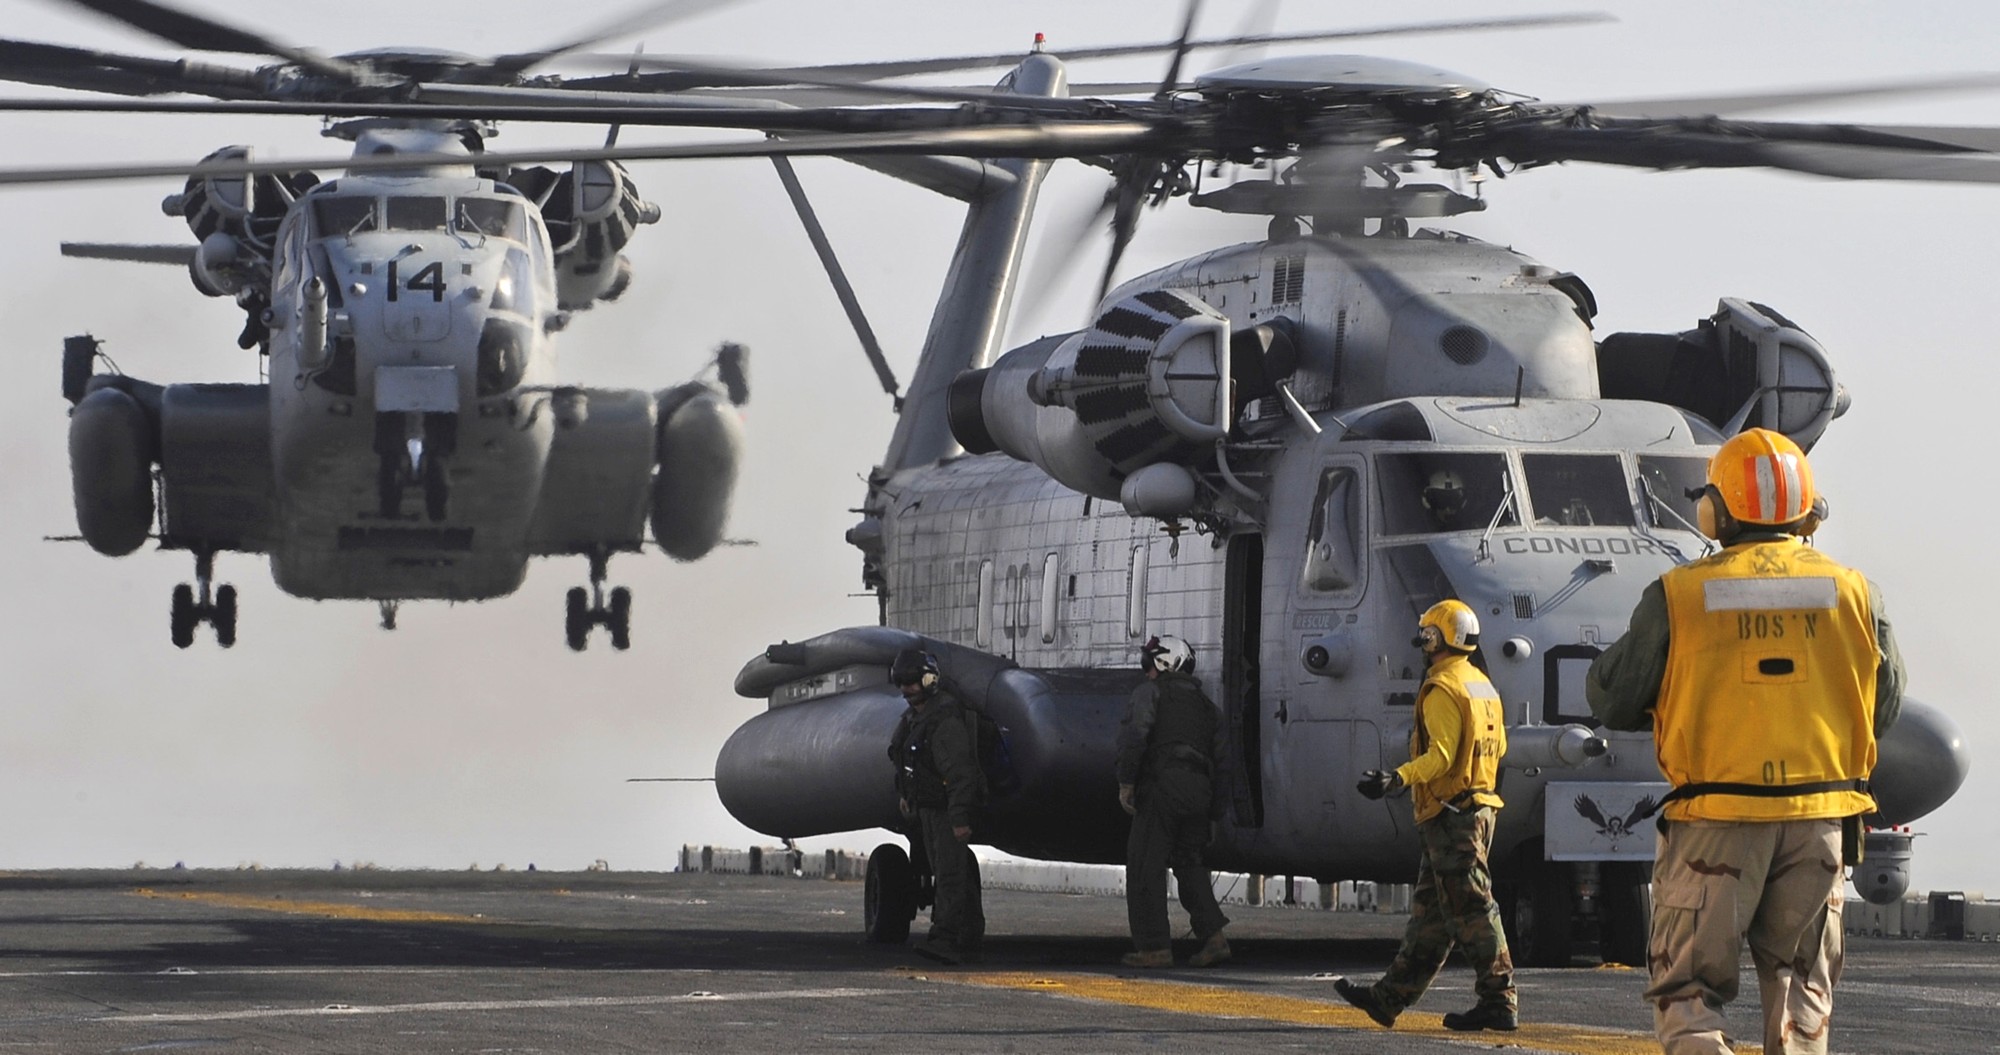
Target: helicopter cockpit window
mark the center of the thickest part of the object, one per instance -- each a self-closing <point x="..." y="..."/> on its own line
<point x="1438" y="491"/>
<point x="492" y="217"/>
<point x="342" y="216"/>
<point x="1668" y="480"/>
<point x="514" y="288"/>
<point x="1577" y="490"/>
<point x="1332" y="554"/>
<point x="415" y="214"/>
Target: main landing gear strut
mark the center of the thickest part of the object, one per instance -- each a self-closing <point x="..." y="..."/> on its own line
<point x="216" y="607"/>
<point x="586" y="609"/>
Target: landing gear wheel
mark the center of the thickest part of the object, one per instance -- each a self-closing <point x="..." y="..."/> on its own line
<point x="576" y="619"/>
<point x="183" y="620"/>
<point x="1624" y="912"/>
<point x="889" y="897"/>
<point x="1538" y="911"/>
<point x="224" y="616"/>
<point x="620" y="620"/>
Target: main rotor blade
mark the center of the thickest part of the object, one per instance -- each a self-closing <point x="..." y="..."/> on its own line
<point x="203" y="34"/>
<point x="539" y="105"/>
<point x="1778" y="99"/>
<point x="904" y="68"/>
<point x="653" y="16"/>
<point x="135" y="254"/>
<point x="1063" y="239"/>
<point x="1876" y="156"/>
<point x="106" y="71"/>
<point x="1181" y="46"/>
<point x="1059" y="141"/>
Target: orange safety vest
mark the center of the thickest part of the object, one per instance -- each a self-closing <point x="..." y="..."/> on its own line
<point x="1482" y="739"/>
<point x="1770" y="682"/>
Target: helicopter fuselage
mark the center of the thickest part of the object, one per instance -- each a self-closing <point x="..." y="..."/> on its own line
<point x="432" y="360"/>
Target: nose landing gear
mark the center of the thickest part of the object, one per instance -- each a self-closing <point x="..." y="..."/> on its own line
<point x="216" y="607"/>
<point x="412" y="449"/>
<point x="584" y="610"/>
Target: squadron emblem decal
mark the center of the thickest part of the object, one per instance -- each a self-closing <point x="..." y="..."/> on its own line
<point x="1613" y="828"/>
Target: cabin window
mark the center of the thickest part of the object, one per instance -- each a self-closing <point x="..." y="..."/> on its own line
<point x="414" y="214"/>
<point x="1135" y="597"/>
<point x="1051" y="597"/>
<point x="492" y="217"/>
<point x="336" y="217"/>
<point x="513" y="288"/>
<point x="982" y="631"/>
<point x="1577" y="490"/>
<point x="1439" y="491"/>
<point x="1332" y="550"/>
<point x="1663" y="486"/>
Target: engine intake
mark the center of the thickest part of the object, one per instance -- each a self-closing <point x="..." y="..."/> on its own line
<point x="1146" y="384"/>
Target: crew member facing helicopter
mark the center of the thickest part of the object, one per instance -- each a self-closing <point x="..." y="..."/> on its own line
<point x="1765" y="673"/>
<point x="1167" y="749"/>
<point x="939" y="784"/>
<point x="1454" y="767"/>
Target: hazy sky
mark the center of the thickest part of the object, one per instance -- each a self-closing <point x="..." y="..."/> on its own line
<point x="472" y="735"/>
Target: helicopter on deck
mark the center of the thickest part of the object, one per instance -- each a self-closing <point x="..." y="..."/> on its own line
<point x="413" y="441"/>
<point x="1283" y="452"/>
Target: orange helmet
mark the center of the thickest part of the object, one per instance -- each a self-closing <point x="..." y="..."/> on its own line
<point x="1763" y="478"/>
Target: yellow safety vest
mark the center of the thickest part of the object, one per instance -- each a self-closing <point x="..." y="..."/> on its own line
<point x="1770" y="681"/>
<point x="1482" y="739"/>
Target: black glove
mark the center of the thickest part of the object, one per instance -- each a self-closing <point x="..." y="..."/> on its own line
<point x="1376" y="783"/>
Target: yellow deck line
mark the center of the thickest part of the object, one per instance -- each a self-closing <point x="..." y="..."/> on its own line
<point x="328" y="909"/>
<point x="1218" y="1002"/>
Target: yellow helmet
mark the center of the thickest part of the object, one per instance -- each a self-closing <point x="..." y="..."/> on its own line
<point x="1455" y="624"/>
<point x="1763" y="478"/>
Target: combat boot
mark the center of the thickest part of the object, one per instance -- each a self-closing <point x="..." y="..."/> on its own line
<point x="942" y="952"/>
<point x="1484" y="1016"/>
<point x="1213" y="951"/>
<point x="1364" y="997"/>
<point x="1149" y="958"/>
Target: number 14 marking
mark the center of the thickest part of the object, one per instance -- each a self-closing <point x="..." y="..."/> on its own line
<point x="429" y="280"/>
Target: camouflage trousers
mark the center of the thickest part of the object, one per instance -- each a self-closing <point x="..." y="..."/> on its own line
<point x="1716" y="883"/>
<point x="1452" y="905"/>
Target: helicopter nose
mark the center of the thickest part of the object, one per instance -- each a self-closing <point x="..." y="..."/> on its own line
<point x="1920" y="763"/>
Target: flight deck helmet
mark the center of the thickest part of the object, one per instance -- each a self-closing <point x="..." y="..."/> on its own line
<point x="1165" y="653"/>
<point x="1454" y="624"/>
<point x="1758" y="477"/>
<point x="915" y="667"/>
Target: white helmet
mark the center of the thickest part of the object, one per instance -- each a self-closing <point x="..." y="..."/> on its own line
<point x="1444" y="493"/>
<point x="1166" y="653"/>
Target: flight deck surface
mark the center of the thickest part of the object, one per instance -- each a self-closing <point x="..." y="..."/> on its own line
<point x="421" y="961"/>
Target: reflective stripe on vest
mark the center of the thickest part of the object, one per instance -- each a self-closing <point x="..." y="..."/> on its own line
<point x="1770" y="681"/>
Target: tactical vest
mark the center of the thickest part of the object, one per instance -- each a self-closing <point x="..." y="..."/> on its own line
<point x="917" y="776"/>
<point x="1474" y="775"/>
<point x="1183" y="724"/>
<point x="1770" y="682"/>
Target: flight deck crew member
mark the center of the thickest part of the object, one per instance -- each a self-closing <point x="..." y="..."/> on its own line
<point x="1765" y="673"/>
<point x="939" y="784"/>
<point x="1453" y="771"/>
<point x="1168" y="747"/>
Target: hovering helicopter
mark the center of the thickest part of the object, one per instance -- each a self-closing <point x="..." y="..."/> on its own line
<point x="1284" y="451"/>
<point x="413" y="441"/>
